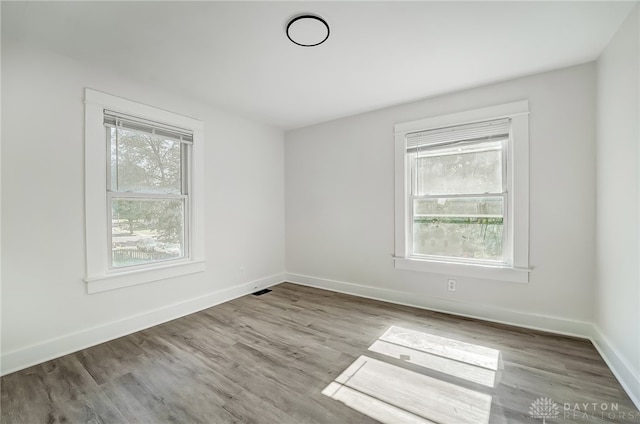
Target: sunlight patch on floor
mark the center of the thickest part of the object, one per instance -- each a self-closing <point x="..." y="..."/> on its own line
<point x="378" y="410"/>
<point x="391" y="394"/>
<point x="463" y="360"/>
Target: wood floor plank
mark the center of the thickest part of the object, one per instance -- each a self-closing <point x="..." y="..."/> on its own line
<point x="282" y="358"/>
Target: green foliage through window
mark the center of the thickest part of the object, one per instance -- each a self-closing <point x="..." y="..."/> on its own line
<point x="147" y="197"/>
<point x="458" y="200"/>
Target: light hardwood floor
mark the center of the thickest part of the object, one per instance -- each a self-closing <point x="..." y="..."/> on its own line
<point x="301" y="355"/>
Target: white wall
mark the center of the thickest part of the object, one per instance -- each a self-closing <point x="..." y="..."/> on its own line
<point x="618" y="211"/>
<point x="45" y="308"/>
<point x="340" y="211"/>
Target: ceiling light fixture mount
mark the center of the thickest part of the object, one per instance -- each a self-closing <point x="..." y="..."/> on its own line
<point x="308" y="30"/>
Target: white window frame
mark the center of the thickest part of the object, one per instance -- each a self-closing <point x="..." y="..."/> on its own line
<point x="517" y="209"/>
<point x="100" y="276"/>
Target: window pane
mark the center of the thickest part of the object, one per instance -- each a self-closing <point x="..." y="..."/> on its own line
<point x="145" y="231"/>
<point x="145" y="163"/>
<point x="465" y="228"/>
<point x="459" y="169"/>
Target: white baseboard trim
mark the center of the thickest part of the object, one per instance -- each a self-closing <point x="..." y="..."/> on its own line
<point x="471" y="310"/>
<point x="616" y="362"/>
<point x="69" y="343"/>
<point x="60" y="346"/>
<point x="620" y="367"/>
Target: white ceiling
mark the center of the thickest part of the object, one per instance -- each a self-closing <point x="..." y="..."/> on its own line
<point x="236" y="56"/>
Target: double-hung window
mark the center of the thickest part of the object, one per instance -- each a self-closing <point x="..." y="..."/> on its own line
<point x="144" y="200"/>
<point x="147" y="191"/>
<point x="456" y="179"/>
<point x="459" y="195"/>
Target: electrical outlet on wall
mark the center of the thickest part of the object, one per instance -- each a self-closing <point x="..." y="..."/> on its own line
<point x="451" y="284"/>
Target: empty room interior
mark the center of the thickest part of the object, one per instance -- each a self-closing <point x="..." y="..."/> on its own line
<point x="336" y="212"/>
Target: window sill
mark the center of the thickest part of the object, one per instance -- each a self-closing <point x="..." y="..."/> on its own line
<point x="120" y="279"/>
<point x="484" y="272"/>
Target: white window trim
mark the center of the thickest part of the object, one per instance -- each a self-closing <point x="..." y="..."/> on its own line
<point x="518" y="174"/>
<point x="99" y="277"/>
